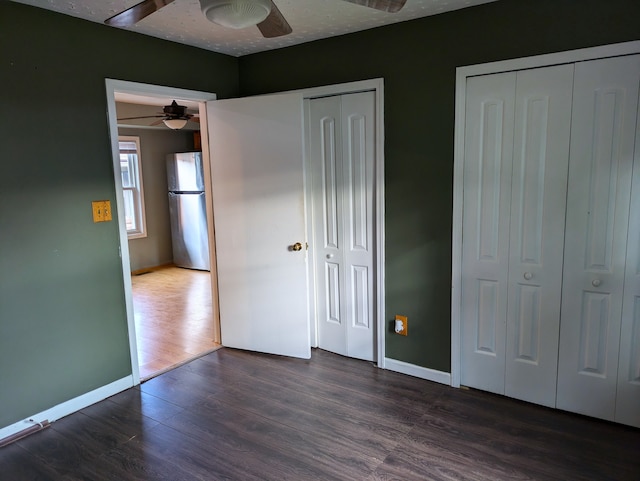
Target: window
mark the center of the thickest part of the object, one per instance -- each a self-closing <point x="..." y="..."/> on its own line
<point x="131" y="172"/>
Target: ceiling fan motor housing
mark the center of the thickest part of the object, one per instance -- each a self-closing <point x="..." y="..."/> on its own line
<point x="236" y="13"/>
<point x="174" y="110"/>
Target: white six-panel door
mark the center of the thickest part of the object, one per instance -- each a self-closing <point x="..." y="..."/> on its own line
<point x="602" y="150"/>
<point x="342" y="149"/>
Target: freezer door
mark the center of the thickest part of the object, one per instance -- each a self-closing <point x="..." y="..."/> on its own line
<point x="184" y="172"/>
<point x="189" y="230"/>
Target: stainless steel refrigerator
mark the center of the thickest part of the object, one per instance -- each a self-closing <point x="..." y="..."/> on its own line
<point x="187" y="210"/>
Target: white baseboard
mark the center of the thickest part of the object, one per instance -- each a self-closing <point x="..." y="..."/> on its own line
<point x="68" y="407"/>
<point x="417" y="371"/>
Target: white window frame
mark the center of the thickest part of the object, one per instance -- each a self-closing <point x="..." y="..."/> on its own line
<point x="136" y="189"/>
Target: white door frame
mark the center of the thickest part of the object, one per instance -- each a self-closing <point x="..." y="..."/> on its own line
<point x="462" y="73"/>
<point x="376" y="86"/>
<point x="122" y="86"/>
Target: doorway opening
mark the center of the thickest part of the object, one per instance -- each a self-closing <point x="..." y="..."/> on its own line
<point x="172" y="311"/>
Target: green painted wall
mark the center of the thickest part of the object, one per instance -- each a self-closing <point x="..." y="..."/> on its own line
<point x="62" y="315"/>
<point x="418" y="60"/>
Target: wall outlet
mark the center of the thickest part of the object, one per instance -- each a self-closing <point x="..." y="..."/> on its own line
<point x="401" y="325"/>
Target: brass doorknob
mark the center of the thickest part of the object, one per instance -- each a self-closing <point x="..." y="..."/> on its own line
<point x="296" y="247"/>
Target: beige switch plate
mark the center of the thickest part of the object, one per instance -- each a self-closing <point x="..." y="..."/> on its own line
<point x="101" y="210"/>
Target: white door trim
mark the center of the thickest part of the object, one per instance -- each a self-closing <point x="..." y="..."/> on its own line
<point x="377" y="86"/>
<point x="462" y="73"/>
<point x="122" y="86"/>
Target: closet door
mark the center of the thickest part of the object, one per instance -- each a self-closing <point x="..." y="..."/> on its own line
<point x="600" y="171"/>
<point x="325" y="146"/>
<point x="485" y="248"/>
<point x="628" y="393"/>
<point x="342" y="147"/>
<point x="538" y="194"/>
<point x="358" y="213"/>
<point x="516" y="156"/>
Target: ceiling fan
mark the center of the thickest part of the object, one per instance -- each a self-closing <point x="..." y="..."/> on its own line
<point x="173" y="116"/>
<point x="239" y="13"/>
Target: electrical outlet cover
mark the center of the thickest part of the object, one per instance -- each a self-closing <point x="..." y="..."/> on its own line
<point x="405" y="320"/>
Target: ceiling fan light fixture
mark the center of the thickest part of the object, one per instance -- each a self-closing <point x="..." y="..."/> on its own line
<point x="236" y="13"/>
<point x="175" y="124"/>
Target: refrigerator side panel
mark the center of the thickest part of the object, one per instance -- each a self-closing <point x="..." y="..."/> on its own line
<point x="184" y="172"/>
<point x="189" y="230"/>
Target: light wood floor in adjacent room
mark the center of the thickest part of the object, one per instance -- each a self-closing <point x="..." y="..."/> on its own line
<point x="174" y="318"/>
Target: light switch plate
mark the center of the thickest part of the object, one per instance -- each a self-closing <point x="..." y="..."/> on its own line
<point x="101" y="210"/>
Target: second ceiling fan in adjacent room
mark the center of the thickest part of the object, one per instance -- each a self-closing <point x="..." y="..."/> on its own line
<point x="173" y="116"/>
<point x="239" y="13"/>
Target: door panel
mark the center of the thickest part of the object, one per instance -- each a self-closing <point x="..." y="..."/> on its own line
<point x="602" y="146"/>
<point x="539" y="183"/>
<point x="325" y="138"/>
<point x="360" y="311"/>
<point x="258" y="200"/>
<point x="628" y="393"/>
<point x="342" y="146"/>
<point x="487" y="196"/>
<point x="358" y="127"/>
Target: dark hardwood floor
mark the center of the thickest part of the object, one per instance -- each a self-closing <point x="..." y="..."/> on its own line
<point x="234" y="415"/>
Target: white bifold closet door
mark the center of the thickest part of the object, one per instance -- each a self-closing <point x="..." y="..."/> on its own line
<point x="342" y="153"/>
<point x="538" y="196"/>
<point x="551" y="237"/>
<point x="516" y="156"/>
<point x="596" y="306"/>
<point x="485" y="247"/>
<point x="628" y="394"/>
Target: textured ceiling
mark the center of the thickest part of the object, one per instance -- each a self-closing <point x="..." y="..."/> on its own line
<point x="183" y="22"/>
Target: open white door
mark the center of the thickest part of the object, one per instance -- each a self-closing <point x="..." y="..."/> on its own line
<point x="258" y="199"/>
